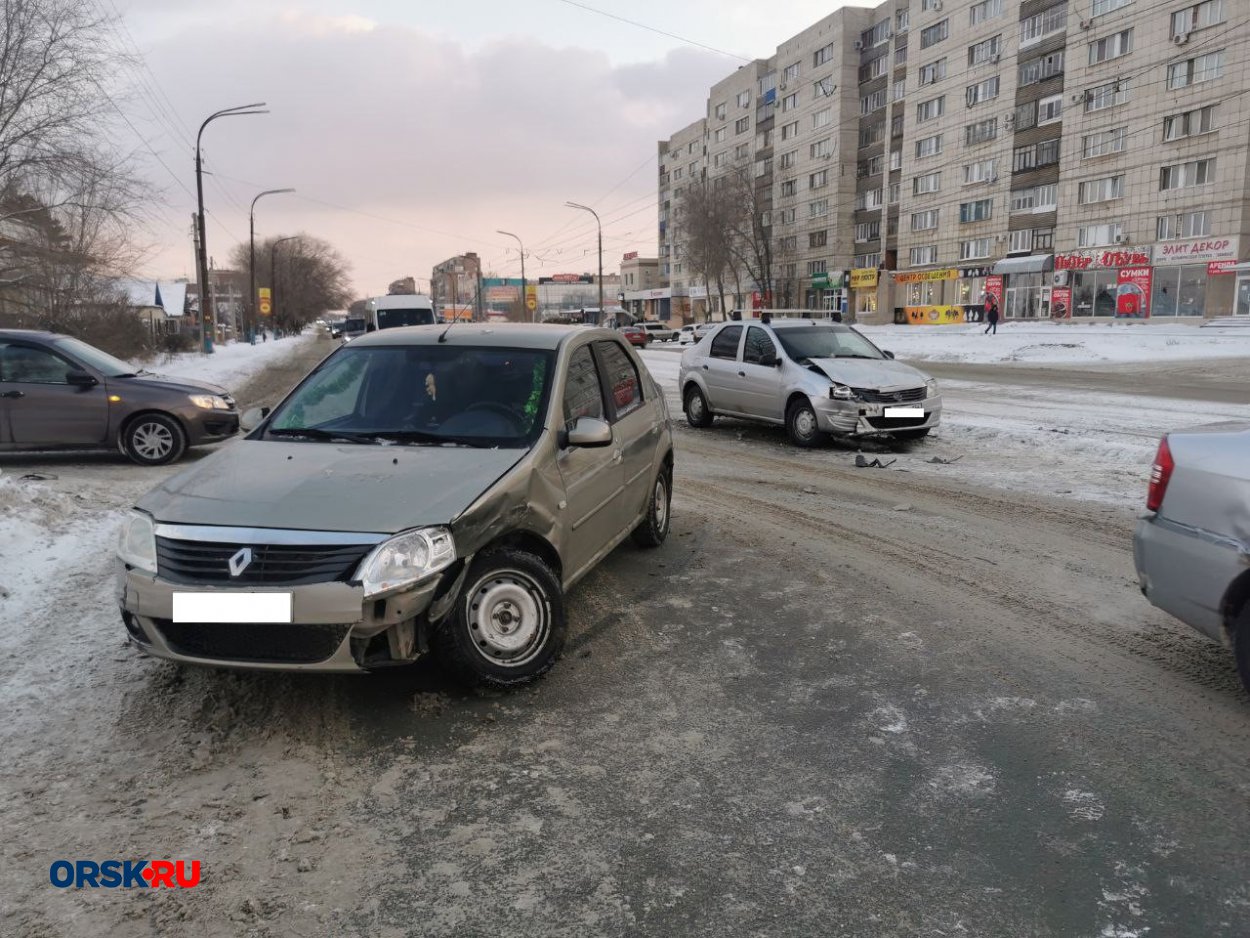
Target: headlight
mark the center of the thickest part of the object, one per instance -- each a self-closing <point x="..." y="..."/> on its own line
<point x="405" y="559"/>
<point x="136" y="546"/>
<point x="840" y="392"/>
<point x="931" y="387"/>
<point x="209" y="402"/>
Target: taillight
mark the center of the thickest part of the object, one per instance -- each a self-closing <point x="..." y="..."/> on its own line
<point x="1160" y="475"/>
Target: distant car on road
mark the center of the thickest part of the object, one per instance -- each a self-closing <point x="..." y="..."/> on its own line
<point x="636" y="335"/>
<point x="813" y="377"/>
<point x="659" y="332"/>
<point x="1192" y="547"/>
<point x="694" y="332"/>
<point x="57" y="392"/>
<point x="423" y="489"/>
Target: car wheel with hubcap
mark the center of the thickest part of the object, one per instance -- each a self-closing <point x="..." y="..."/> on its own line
<point x="654" y="527"/>
<point x="802" y="425"/>
<point x="508" y="624"/>
<point x="698" y="414"/>
<point x="154" y="439"/>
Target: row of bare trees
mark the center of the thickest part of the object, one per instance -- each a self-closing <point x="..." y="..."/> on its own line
<point x="307" y="276"/>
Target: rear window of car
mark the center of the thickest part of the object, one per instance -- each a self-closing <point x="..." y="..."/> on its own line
<point x="725" y="344"/>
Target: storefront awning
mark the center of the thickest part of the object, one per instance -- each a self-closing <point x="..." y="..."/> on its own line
<point x="1029" y="264"/>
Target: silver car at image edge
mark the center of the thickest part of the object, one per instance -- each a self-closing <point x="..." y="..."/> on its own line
<point x="1192" y="545"/>
<point x="814" y="377"/>
<point x="431" y="488"/>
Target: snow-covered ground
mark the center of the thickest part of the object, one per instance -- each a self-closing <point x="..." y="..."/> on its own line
<point x="1045" y="342"/>
<point x="1086" y="445"/>
<point x="228" y="365"/>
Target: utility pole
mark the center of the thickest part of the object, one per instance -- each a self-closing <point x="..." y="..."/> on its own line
<point x="599" y="225"/>
<point x="250" y="326"/>
<point x="524" y="294"/>
<point x="206" y="303"/>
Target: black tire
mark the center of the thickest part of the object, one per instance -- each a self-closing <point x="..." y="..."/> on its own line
<point x="802" y="425"/>
<point x="484" y="642"/>
<point x="912" y="435"/>
<point x="1241" y="646"/>
<point x="154" y="439"/>
<point x="698" y="413"/>
<point x="654" y="527"/>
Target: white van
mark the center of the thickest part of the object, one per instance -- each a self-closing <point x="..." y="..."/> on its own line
<point x="404" y="309"/>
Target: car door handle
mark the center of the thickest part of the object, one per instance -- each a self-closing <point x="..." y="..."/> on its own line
<point x="616" y="456"/>
<point x="13" y="394"/>
<point x="705" y="367"/>
<point x="742" y="374"/>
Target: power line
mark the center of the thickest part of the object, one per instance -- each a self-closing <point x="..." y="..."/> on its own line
<point x="652" y="29"/>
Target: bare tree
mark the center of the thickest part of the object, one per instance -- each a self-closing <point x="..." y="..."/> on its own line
<point x="750" y="232"/>
<point x="705" y="214"/>
<point x="309" y="277"/>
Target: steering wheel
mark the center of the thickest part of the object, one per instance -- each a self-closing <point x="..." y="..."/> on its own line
<point x="501" y="410"/>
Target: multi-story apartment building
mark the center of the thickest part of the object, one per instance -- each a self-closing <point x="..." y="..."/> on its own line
<point x="1077" y="158"/>
<point x="456" y="283"/>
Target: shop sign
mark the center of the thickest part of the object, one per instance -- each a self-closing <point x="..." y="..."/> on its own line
<point x="697" y="293"/>
<point x="971" y="272"/>
<point x="1199" y="251"/>
<point x="935" y="315"/>
<point x="1132" y="294"/>
<point x="994" y="287"/>
<point x="631" y="256"/>
<point x="820" y="281"/>
<point x="1215" y="268"/>
<point x="1084" y="260"/>
<point x="864" y="277"/>
<point x="1061" y="303"/>
<point x="924" y="276"/>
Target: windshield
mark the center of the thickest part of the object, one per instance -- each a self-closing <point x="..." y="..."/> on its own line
<point x="421" y="395"/>
<point x="89" y="355"/>
<point x="354" y="325"/>
<point x="825" y="342"/>
<point x="413" y="316"/>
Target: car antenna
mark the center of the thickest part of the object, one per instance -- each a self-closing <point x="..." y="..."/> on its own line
<point x="443" y="336"/>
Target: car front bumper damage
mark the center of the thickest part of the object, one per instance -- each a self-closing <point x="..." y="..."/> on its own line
<point x="856" y="418"/>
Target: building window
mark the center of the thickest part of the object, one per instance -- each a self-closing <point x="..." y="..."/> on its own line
<point x="823" y="88"/>
<point x="927" y="254"/>
<point x="930" y="182"/>
<point x="896" y="160"/>
<point x="1189" y="124"/>
<point x="1198" y="16"/>
<point x="1100" y="190"/>
<point x="1184" y="225"/>
<point x="791" y="73"/>
<point x="818" y="180"/>
<point x="1096" y="236"/>
<point x="982" y="91"/>
<point x="934" y="71"/>
<point x="786" y="216"/>
<point x="980" y="210"/>
<point x="927" y="5"/>
<point x="1035" y="199"/>
<point x="823" y="55"/>
<point x="1037" y="27"/>
<point x="1105" y="142"/>
<point x="867" y="231"/>
<point x="925" y="221"/>
<point x="817" y="267"/>
<point x="871" y="102"/>
<point x="981" y="131"/>
<point x="874" y="69"/>
<point x="789" y="131"/>
<point x="879" y="33"/>
<point x="931" y="35"/>
<point x="928" y="110"/>
<point x="974" y="249"/>
<point x="1196" y="70"/>
<point x="1187" y="175"/>
<point x="870" y="135"/>
<point x="900" y="53"/>
<point x="980" y="171"/>
<point x="742" y="125"/>
<point x="1050" y="109"/>
<point x="896" y="126"/>
<point x="928" y="146"/>
<point x="821" y="148"/>
<point x="719" y="135"/>
<point x="875" y="167"/>
<point x="818" y="209"/>
<point x="868" y="200"/>
<point x="1108" y="95"/>
<point x="987" y="51"/>
<point x="822" y="118"/>
<point x="817" y="239"/>
<point x="867" y="260"/>
<point x="1039" y="69"/>
<point x="719" y="112"/>
<point x="742" y="151"/>
<point x="744" y="99"/>
<point x="980" y="12"/>
<point x="900" y="89"/>
<point x="789" y="244"/>
<point x="1106" y="6"/>
<point x="788" y="187"/>
<point x="1111" y="47"/>
<point x="1021" y="241"/>
<point x="720" y="159"/>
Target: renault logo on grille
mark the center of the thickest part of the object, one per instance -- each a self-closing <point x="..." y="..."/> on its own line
<point x="240" y="561"/>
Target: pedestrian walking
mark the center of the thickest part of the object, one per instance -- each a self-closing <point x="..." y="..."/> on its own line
<point x="991" y="314"/>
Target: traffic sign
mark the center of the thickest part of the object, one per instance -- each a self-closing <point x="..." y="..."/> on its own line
<point x="531" y="303"/>
<point x="265" y="307"/>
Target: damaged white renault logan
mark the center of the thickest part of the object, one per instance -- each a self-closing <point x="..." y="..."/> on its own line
<point x="428" y="488"/>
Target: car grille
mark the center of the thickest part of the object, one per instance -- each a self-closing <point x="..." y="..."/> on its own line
<point x="896" y="423"/>
<point x="232" y="641"/>
<point x="908" y="396"/>
<point x="272" y="564"/>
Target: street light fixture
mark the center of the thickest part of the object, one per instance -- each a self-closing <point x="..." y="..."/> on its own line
<point x="273" y="271"/>
<point x="251" y="235"/>
<point x="587" y="208"/>
<point x="524" y="294"/>
<point x="206" y="297"/>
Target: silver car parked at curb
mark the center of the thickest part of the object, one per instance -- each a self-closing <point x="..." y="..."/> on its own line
<point x="432" y="488"/>
<point x="814" y="377"/>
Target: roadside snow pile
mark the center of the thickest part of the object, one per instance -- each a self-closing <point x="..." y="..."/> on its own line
<point x="1060" y="343"/>
<point x="229" y="365"/>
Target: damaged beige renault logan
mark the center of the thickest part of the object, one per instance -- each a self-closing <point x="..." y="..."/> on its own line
<point x="435" y="488"/>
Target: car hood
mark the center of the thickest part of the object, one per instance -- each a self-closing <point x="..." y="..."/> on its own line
<point x="871" y="373"/>
<point x="329" y="486"/>
<point x="164" y="383"/>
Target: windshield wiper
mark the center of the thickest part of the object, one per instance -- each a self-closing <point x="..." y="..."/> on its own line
<point x="315" y="433"/>
<point x="857" y="355"/>
<point x="421" y="436"/>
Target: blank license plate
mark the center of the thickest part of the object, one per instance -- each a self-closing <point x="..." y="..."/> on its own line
<point x="904" y="411"/>
<point x="262" y="608"/>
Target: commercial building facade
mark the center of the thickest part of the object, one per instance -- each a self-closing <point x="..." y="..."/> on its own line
<point x="1076" y="159"/>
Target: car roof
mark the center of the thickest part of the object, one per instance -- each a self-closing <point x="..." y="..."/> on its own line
<point x="30" y="334"/>
<point x="489" y="334"/>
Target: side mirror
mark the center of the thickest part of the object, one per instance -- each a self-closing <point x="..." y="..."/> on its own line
<point x="80" y="379"/>
<point x="369" y="327"/>
<point x="252" y="418"/>
<point x="590" y="431"/>
<point x="889" y="355"/>
<point x="770" y="360"/>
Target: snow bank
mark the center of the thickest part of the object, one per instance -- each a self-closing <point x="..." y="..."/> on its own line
<point x="229" y="365"/>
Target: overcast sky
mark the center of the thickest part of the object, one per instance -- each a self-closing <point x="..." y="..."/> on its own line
<point x="413" y="130"/>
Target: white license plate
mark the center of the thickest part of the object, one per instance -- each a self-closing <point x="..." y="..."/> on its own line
<point x="263" y="608"/>
<point x="904" y="411"/>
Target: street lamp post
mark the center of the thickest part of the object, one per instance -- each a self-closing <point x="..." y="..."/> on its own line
<point x="251" y="236"/>
<point x="273" y="271"/>
<point x="206" y="300"/>
<point x="524" y="295"/>
<point x="587" y="208"/>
